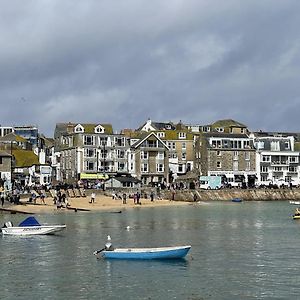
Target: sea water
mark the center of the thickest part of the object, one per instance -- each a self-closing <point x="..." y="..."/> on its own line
<point x="247" y="250"/>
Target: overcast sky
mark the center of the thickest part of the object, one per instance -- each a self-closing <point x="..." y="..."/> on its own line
<point x="122" y="62"/>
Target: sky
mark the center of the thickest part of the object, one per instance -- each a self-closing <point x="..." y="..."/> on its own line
<point x="123" y="62"/>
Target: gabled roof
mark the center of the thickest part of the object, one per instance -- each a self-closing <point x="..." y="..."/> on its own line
<point x="146" y="137"/>
<point x="25" y="158"/>
<point x="158" y="125"/>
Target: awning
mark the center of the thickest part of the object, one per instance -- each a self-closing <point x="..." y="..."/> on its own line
<point x="93" y="176"/>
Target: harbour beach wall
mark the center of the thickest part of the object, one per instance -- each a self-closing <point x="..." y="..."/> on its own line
<point x="229" y="194"/>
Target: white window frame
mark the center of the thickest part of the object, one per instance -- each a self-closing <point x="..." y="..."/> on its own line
<point x="160" y="168"/>
<point x="144" y="168"/>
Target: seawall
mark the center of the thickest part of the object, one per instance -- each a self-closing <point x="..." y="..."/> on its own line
<point x="229" y="194"/>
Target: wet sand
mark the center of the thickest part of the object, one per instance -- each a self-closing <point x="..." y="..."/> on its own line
<point x="101" y="203"/>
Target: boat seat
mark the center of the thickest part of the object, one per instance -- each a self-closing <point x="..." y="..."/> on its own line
<point x="8" y="224"/>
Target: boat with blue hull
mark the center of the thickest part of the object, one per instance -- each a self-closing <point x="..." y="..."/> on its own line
<point x="147" y="253"/>
<point x="142" y="253"/>
<point x="30" y="226"/>
<point x="237" y="200"/>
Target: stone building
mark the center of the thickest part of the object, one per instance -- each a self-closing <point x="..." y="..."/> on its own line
<point x="226" y="150"/>
<point x="149" y="159"/>
<point x="89" y="152"/>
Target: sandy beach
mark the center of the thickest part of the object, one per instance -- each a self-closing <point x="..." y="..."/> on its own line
<point x="101" y="203"/>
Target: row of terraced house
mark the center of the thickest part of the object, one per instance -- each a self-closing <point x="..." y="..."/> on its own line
<point x="155" y="153"/>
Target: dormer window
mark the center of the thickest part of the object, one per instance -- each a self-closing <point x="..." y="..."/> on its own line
<point x="168" y="126"/>
<point x="182" y="135"/>
<point x="220" y="129"/>
<point x="99" y="129"/>
<point x="160" y="134"/>
<point x="78" y="129"/>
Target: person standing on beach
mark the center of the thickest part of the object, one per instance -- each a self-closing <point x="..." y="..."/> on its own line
<point x="152" y="196"/>
<point x="43" y="197"/>
<point x="93" y="196"/>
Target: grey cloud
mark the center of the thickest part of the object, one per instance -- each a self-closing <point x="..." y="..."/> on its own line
<point x="122" y="62"/>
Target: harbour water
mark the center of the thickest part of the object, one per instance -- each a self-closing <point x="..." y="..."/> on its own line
<point x="247" y="250"/>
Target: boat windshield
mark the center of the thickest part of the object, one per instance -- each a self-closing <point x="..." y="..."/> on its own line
<point x="30" y="221"/>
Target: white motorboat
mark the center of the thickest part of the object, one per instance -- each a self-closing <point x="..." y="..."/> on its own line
<point x="295" y="202"/>
<point x="30" y="226"/>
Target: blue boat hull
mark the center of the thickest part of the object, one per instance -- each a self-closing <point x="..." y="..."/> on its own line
<point x="236" y="200"/>
<point x="150" y="254"/>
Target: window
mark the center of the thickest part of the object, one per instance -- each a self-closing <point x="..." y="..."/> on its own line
<point x="235" y="165"/>
<point x="120" y="153"/>
<point x="180" y="168"/>
<point x="1" y="162"/>
<point x="88" y="140"/>
<point x="275" y="146"/>
<point x="172" y="145"/>
<point x="248" y="165"/>
<point x="286" y="145"/>
<point x="183" y="156"/>
<point x="183" y="146"/>
<point x="160" y="155"/>
<point x="159" y="167"/>
<point x="246" y="144"/>
<point x="144" y="155"/>
<point x="220" y="129"/>
<point x="182" y="135"/>
<point x="99" y="129"/>
<point x="160" y="134"/>
<point x="78" y="129"/>
<point x="266" y="158"/>
<point x="293" y="159"/>
<point x="293" y="169"/>
<point x="121" y="166"/>
<point x="263" y="178"/>
<point x="89" y="152"/>
<point x="150" y="144"/>
<point x="89" y="166"/>
<point x="172" y="155"/>
<point x="235" y="155"/>
<point x="264" y="169"/>
<point x="219" y="164"/>
<point x="218" y="153"/>
<point x="144" y="168"/>
<point x="120" y="141"/>
<point x="247" y="155"/>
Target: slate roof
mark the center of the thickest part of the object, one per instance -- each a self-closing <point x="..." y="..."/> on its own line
<point x="228" y="123"/>
<point x="62" y="128"/>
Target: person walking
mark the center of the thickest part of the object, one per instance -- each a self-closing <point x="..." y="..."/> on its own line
<point x="93" y="196"/>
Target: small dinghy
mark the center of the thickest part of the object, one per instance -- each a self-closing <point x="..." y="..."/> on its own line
<point x="173" y="252"/>
<point x="30" y="226"/>
<point x="236" y="200"/>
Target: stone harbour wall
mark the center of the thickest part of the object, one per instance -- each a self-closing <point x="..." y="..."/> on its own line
<point x="229" y="194"/>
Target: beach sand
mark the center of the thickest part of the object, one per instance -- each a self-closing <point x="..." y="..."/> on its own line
<point x="101" y="203"/>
